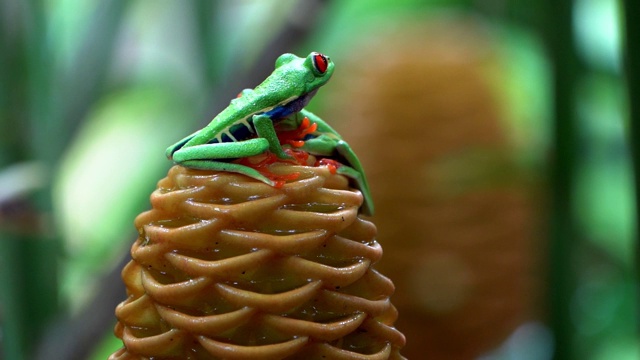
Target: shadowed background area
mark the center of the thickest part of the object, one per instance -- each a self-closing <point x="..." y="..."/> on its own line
<point x="498" y="138"/>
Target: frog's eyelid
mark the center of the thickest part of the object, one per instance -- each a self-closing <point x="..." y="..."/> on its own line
<point x="320" y="62"/>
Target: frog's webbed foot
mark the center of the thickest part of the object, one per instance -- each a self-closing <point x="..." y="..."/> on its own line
<point x="263" y="167"/>
<point x="296" y="136"/>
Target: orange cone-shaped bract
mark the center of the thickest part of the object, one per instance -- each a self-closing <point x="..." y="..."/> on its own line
<point x="227" y="267"/>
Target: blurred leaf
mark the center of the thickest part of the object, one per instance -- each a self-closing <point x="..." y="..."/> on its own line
<point x="606" y="209"/>
<point x="604" y="187"/>
<point x="108" y="346"/>
<point x="521" y="78"/>
<point x="621" y="348"/>
<point x="351" y="21"/>
<point x="598" y="32"/>
<point x="109" y="172"/>
<point x="81" y="83"/>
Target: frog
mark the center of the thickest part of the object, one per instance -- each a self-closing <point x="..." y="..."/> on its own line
<point x="247" y="126"/>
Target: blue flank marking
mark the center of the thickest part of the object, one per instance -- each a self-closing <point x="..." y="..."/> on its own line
<point x="291" y="107"/>
<point x="241" y="132"/>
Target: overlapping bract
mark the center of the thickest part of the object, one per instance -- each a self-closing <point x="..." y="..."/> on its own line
<point x="226" y="267"/>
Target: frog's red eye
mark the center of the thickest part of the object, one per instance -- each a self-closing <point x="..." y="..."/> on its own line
<point x="320" y="62"/>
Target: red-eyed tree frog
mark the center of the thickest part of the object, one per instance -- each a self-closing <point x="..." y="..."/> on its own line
<point x="247" y="126"/>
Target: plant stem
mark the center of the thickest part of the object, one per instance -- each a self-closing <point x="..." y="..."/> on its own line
<point x="562" y="281"/>
<point x="632" y="71"/>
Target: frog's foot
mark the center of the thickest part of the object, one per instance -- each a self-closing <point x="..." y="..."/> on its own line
<point x="336" y="167"/>
<point x="296" y="137"/>
<point x="331" y="164"/>
<point x="261" y="165"/>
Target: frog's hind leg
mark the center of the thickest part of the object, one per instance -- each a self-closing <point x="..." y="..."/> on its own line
<point x="205" y="157"/>
<point x="361" y="184"/>
<point x="328" y="145"/>
<point x="228" y="167"/>
<point x="356" y="172"/>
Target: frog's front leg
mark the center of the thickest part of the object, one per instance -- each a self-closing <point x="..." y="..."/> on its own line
<point x="177" y="146"/>
<point x="205" y="157"/>
<point x="264" y="129"/>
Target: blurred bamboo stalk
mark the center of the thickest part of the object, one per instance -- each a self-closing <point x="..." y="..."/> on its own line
<point x="41" y="106"/>
<point x="83" y="82"/>
<point x="207" y="19"/>
<point x="631" y="50"/>
<point x="559" y="38"/>
<point x="29" y="261"/>
<point x="77" y="338"/>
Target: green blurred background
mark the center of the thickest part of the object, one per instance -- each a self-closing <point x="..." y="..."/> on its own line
<point x="92" y="92"/>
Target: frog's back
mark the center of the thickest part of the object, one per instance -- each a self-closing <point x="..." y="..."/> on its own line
<point x="287" y="90"/>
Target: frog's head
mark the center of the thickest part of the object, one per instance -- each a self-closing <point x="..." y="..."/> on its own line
<point x="314" y="70"/>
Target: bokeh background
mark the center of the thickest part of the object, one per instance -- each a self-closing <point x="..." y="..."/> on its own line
<point x="498" y="137"/>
